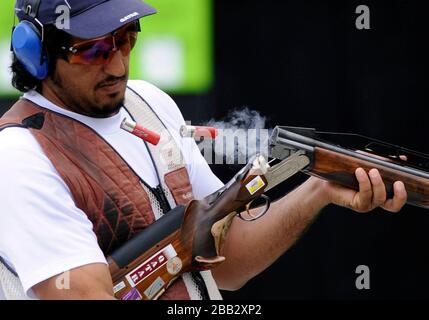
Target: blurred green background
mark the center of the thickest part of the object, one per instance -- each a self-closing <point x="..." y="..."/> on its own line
<point x="174" y="50"/>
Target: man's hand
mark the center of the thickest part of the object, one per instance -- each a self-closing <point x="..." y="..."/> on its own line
<point x="371" y="194"/>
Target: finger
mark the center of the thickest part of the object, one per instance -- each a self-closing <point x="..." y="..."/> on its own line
<point x="363" y="199"/>
<point x="342" y="196"/>
<point x="399" y="199"/>
<point x="378" y="188"/>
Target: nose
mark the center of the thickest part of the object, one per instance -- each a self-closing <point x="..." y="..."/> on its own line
<point x="117" y="66"/>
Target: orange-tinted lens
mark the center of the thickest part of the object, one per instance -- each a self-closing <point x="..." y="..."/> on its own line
<point x="92" y="53"/>
<point x="126" y="43"/>
<point x="100" y="51"/>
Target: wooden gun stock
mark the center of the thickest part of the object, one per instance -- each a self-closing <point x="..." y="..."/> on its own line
<point x="340" y="168"/>
<point x="183" y="240"/>
<point x="144" y="259"/>
<point x="335" y="157"/>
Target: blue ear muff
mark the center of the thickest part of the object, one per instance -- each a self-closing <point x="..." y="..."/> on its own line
<point x="28" y="48"/>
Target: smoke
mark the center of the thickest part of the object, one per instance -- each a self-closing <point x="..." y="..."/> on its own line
<point x="240" y="119"/>
<point x="242" y="134"/>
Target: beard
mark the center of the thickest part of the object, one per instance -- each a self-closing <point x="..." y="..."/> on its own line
<point x="76" y="102"/>
<point x="106" y="110"/>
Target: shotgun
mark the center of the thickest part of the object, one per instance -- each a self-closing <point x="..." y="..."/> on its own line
<point x="190" y="238"/>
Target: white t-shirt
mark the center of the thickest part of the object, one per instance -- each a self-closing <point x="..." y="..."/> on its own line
<point x="42" y="232"/>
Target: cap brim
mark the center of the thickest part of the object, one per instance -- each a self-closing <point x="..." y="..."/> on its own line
<point x="107" y="17"/>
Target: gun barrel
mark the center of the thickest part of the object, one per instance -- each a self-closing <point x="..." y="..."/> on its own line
<point x="283" y="142"/>
<point x="291" y="140"/>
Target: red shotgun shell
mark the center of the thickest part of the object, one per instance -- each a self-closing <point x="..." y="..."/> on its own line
<point x="197" y="132"/>
<point x="141" y="132"/>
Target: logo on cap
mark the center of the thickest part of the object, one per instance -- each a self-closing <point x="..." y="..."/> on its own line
<point x="128" y="17"/>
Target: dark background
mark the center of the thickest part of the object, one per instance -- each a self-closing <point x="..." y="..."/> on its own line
<point x="304" y="63"/>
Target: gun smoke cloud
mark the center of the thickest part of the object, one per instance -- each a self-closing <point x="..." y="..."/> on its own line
<point x="242" y="134"/>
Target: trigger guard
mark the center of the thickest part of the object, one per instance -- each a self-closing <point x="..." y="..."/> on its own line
<point x="260" y="215"/>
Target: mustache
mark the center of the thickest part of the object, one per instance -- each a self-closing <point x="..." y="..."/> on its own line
<point x="110" y="80"/>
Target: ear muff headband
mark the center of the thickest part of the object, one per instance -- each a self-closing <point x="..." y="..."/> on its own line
<point x="27" y="44"/>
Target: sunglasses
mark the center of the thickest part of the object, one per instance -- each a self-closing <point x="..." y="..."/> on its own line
<point x="100" y="51"/>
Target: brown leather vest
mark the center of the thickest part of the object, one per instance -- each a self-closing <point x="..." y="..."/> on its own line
<point x="101" y="182"/>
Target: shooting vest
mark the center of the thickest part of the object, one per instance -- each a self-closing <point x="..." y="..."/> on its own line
<point x="102" y="184"/>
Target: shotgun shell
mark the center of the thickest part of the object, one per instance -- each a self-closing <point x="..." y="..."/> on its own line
<point x="197" y="132"/>
<point x="141" y="132"/>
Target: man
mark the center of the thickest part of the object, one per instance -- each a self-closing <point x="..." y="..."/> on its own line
<point x="75" y="186"/>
